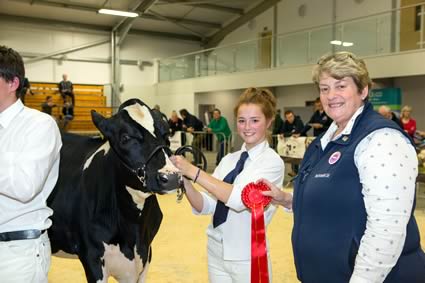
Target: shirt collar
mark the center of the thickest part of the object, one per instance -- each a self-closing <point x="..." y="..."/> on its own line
<point x="329" y="135"/>
<point x="9" y="113"/>
<point x="256" y="150"/>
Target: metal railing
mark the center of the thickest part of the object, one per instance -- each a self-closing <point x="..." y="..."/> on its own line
<point x="372" y="35"/>
<point x="213" y="146"/>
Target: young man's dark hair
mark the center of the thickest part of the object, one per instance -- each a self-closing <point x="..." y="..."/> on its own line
<point x="183" y="112"/>
<point x="289" y="112"/>
<point x="12" y="66"/>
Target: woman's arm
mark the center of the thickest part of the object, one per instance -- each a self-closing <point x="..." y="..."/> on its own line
<point x="219" y="189"/>
<point x="194" y="196"/>
<point x="387" y="166"/>
<point x="279" y="197"/>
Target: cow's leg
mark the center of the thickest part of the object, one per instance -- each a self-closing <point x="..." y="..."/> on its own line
<point x="143" y="275"/>
<point x="93" y="269"/>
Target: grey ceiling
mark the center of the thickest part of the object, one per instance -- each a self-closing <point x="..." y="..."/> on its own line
<point x="206" y="21"/>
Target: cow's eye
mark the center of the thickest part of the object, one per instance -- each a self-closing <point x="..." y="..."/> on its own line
<point x="125" y="138"/>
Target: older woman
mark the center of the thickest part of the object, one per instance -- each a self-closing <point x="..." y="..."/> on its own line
<point x="354" y="196"/>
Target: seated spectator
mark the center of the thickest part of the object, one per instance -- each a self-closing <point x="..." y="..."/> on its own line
<point x="48" y="105"/>
<point x="385" y="111"/>
<point x="66" y="88"/>
<point x="409" y="124"/>
<point x="292" y="126"/>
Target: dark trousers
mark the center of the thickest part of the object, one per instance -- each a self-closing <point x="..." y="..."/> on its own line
<point x="70" y="94"/>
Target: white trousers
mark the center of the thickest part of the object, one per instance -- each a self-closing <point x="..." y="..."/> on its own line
<point x="25" y="260"/>
<point x="228" y="271"/>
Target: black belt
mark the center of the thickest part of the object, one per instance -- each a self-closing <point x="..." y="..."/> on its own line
<point x="20" y="235"/>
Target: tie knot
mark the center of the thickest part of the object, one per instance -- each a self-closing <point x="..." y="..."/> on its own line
<point x="244" y="156"/>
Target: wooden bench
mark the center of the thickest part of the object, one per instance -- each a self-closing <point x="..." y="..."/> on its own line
<point x="87" y="98"/>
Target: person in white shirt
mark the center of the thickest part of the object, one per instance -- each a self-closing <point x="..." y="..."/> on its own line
<point x="30" y="143"/>
<point x="229" y="243"/>
<point x="354" y="195"/>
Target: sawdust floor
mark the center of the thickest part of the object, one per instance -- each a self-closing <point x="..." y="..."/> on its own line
<point x="179" y="249"/>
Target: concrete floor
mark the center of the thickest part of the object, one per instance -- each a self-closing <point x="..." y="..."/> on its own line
<point x="179" y="249"/>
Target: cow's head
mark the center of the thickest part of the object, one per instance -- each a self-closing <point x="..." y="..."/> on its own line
<point x="139" y="137"/>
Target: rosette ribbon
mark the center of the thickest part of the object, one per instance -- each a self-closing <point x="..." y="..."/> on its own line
<point x="253" y="199"/>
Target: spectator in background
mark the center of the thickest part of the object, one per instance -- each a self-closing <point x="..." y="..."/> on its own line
<point x="68" y="113"/>
<point x="47" y="106"/>
<point x="66" y="88"/>
<point x="385" y="111"/>
<point x="26" y="88"/>
<point x="277" y="125"/>
<point x="220" y="127"/>
<point x="320" y="121"/>
<point x="158" y="108"/>
<point x="409" y="124"/>
<point x="175" y="123"/>
<point x="29" y="168"/>
<point x="292" y="126"/>
<point x="192" y="125"/>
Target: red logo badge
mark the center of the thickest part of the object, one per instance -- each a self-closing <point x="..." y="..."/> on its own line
<point x="334" y="157"/>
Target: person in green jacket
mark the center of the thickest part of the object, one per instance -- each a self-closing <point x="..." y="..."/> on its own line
<point x="220" y="127"/>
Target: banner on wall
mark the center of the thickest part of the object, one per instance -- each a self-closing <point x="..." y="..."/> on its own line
<point x="386" y="96"/>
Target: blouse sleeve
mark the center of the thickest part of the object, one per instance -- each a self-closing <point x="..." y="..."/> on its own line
<point x="387" y="166"/>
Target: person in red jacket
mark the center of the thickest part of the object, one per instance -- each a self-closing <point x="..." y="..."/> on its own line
<point x="409" y="124"/>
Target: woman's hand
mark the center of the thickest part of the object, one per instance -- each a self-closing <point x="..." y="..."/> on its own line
<point x="278" y="196"/>
<point x="185" y="167"/>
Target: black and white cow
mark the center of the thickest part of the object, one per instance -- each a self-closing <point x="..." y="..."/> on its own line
<point x="105" y="210"/>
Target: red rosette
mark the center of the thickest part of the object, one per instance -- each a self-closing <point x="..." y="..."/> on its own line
<point x="252" y="196"/>
<point x="256" y="201"/>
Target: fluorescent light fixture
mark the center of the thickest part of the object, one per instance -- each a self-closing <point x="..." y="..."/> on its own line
<point x="336" y="42"/>
<point x="347" y="44"/>
<point x="118" y="13"/>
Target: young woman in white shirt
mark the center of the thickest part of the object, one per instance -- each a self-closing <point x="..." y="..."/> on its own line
<point x="229" y="244"/>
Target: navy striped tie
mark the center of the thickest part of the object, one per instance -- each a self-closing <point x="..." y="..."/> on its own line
<point x="221" y="210"/>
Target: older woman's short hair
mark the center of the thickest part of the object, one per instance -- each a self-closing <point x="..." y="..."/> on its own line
<point x="341" y="65"/>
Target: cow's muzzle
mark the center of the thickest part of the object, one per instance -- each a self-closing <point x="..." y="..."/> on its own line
<point x="169" y="181"/>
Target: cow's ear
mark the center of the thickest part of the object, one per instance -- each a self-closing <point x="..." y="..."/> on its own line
<point x="100" y="122"/>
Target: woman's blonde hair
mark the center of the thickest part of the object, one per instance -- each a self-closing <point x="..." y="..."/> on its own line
<point x="261" y="97"/>
<point x="404" y="109"/>
<point x="341" y="65"/>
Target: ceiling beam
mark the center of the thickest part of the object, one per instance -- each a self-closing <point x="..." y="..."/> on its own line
<point x="183" y="21"/>
<point x="177" y="23"/>
<point x="143" y="16"/>
<point x="219" y="8"/>
<point x="215" y="39"/>
<point x="142" y="6"/>
<point x="67" y="50"/>
<point x="71" y="26"/>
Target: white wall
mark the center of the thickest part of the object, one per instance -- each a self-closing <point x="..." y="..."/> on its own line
<point x="40" y="39"/>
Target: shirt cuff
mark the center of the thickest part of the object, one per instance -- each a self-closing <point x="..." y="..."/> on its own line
<point x="358" y="279"/>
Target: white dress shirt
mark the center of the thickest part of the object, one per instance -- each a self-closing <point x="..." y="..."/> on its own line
<point x="30" y="142"/>
<point x="388" y="167"/>
<point x="235" y="233"/>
